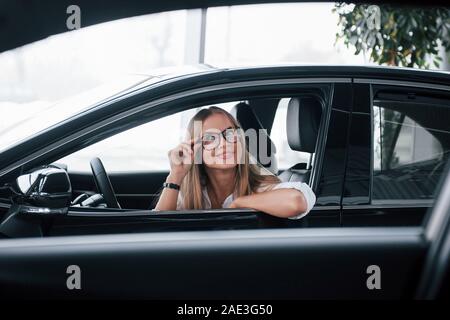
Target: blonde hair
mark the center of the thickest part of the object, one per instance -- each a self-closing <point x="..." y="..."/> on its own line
<point x="249" y="176"/>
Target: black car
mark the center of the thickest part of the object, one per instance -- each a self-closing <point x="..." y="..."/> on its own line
<point x="372" y="142"/>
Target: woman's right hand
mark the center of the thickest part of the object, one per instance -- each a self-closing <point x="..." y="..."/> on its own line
<point x="181" y="160"/>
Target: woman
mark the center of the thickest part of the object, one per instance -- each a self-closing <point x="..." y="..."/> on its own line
<point x="213" y="169"/>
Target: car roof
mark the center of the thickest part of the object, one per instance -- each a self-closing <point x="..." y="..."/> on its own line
<point x="305" y="70"/>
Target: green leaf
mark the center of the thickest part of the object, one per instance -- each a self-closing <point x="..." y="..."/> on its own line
<point x="396" y="23"/>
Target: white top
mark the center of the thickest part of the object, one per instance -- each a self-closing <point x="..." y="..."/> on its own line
<point x="300" y="186"/>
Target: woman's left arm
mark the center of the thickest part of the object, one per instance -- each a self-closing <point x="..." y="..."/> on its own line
<point x="285" y="200"/>
<point x="283" y="203"/>
<point x="291" y="200"/>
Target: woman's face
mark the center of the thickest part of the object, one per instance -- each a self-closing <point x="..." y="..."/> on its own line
<point x="221" y="146"/>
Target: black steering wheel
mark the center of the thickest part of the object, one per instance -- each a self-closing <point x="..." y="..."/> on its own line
<point x="103" y="183"/>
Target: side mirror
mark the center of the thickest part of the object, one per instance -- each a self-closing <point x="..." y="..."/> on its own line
<point x="46" y="187"/>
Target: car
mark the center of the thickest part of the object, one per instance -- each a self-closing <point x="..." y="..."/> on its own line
<point x="372" y="142"/>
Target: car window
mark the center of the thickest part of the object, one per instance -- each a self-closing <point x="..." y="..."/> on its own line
<point x="410" y="148"/>
<point x="143" y="148"/>
<point x="286" y="156"/>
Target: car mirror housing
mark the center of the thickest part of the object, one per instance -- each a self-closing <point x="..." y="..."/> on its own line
<point x="45" y="187"/>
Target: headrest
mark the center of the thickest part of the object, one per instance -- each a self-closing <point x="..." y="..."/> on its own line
<point x="302" y="123"/>
<point x="247" y="118"/>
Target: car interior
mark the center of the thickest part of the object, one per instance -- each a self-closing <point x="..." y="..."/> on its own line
<point x="139" y="191"/>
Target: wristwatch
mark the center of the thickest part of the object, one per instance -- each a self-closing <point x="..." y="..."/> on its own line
<point x="171" y="185"/>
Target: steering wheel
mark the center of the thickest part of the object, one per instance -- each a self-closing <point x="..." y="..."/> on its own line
<point x="103" y="183"/>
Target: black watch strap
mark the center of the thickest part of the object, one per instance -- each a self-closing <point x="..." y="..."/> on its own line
<point x="171" y="185"/>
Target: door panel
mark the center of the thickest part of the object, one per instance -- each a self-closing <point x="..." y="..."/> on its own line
<point x="255" y="264"/>
<point x="391" y="216"/>
<point x="91" y="221"/>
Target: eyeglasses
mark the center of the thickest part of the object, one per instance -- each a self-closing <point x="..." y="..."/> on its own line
<point x="211" y="140"/>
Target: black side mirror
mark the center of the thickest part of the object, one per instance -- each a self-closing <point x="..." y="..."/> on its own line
<point x="46" y="187"/>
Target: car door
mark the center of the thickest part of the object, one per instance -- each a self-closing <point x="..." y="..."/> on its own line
<point x="399" y="144"/>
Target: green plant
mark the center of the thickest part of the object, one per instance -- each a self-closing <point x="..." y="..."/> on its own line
<point x="395" y="36"/>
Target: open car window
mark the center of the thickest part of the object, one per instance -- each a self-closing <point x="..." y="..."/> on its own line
<point x="140" y="154"/>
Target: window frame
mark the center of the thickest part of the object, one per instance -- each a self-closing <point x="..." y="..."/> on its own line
<point x="159" y="108"/>
<point x="211" y="215"/>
